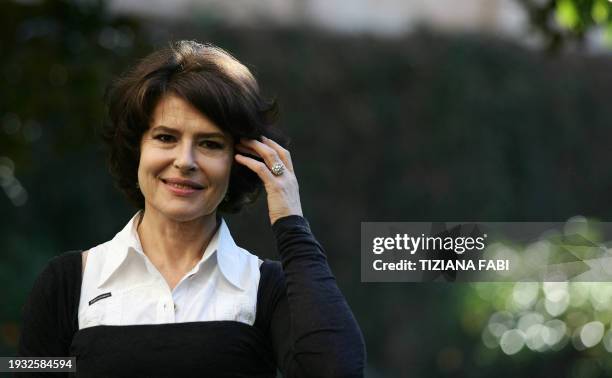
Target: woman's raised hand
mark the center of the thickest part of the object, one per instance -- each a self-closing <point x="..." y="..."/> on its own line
<point x="276" y="173"/>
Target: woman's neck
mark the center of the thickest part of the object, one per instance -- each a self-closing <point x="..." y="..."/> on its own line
<point x="174" y="246"/>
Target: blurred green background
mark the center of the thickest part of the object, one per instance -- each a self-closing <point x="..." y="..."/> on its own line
<point x="425" y="125"/>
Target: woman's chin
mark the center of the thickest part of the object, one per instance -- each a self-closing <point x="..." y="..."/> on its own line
<point x="183" y="213"/>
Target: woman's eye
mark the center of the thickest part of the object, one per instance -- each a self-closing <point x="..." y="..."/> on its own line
<point x="211" y="144"/>
<point x="164" y="138"/>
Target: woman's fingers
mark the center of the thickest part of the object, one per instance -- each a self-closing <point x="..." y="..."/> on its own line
<point x="282" y="190"/>
<point x="268" y="150"/>
<point x="282" y="152"/>
<point x="256" y="166"/>
<point x="246" y="150"/>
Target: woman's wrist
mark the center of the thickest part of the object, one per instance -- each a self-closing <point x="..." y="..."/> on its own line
<point x="289" y="221"/>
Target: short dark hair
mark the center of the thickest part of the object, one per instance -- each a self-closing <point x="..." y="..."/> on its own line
<point x="212" y="81"/>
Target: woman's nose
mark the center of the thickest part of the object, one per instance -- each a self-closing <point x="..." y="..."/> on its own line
<point x="184" y="160"/>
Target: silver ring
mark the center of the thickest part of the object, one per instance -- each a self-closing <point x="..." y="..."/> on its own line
<point x="277" y="169"/>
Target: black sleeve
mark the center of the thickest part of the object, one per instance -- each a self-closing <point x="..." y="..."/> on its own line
<point x="313" y="331"/>
<point x="48" y="317"/>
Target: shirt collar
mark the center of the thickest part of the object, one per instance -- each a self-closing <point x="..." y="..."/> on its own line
<point x="232" y="260"/>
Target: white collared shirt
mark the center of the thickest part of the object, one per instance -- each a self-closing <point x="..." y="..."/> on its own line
<point x="122" y="287"/>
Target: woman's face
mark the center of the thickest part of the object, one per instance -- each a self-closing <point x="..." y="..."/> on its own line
<point x="185" y="162"/>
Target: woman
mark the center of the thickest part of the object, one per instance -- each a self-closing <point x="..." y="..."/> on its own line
<point x="172" y="294"/>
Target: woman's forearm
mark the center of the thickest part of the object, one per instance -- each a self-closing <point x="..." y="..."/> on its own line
<point x="325" y="339"/>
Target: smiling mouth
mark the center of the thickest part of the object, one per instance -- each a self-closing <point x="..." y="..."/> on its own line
<point x="183" y="185"/>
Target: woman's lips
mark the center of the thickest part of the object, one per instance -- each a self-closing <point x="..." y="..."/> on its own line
<point x="181" y="188"/>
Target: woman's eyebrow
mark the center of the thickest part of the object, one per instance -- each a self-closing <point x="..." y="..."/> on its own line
<point x="171" y="130"/>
